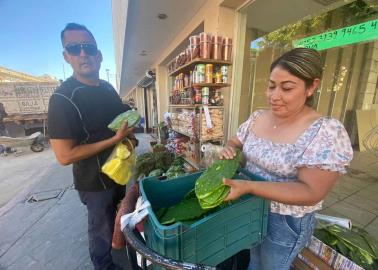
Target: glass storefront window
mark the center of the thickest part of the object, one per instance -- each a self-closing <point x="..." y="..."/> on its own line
<point x="350" y="72"/>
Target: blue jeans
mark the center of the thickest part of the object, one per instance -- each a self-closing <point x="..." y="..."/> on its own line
<point x="101" y="206"/>
<point x="286" y="236"/>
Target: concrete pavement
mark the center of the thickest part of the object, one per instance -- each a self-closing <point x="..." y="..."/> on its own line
<point x="355" y="195"/>
<point x="49" y="234"/>
<point x="52" y="234"/>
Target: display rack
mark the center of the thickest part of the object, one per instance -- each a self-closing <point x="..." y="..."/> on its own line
<point x="197" y="137"/>
<point x="190" y="65"/>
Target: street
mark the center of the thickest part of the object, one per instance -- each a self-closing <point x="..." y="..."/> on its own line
<point x="20" y="172"/>
<point x="43" y="223"/>
<point x="45" y="234"/>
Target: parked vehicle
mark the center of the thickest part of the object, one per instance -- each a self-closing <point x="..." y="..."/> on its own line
<point x="26" y="104"/>
<point x="35" y="140"/>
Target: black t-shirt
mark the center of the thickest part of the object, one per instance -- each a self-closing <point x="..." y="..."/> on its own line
<point x="81" y="112"/>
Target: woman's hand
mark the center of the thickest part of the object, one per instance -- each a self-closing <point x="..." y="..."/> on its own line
<point x="123" y="132"/>
<point x="228" y="152"/>
<point x="238" y="188"/>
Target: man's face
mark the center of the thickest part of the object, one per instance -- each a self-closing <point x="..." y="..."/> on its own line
<point x="84" y="63"/>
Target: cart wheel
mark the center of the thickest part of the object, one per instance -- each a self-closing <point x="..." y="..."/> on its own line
<point x="37" y="147"/>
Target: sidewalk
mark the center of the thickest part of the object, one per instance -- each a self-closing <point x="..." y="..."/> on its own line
<point x="355" y="195"/>
<point x="50" y="234"/>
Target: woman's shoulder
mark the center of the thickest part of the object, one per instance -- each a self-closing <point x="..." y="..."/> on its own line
<point x="256" y="114"/>
<point x="332" y="125"/>
<point x="331" y="133"/>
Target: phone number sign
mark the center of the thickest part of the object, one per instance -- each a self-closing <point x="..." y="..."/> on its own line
<point x="348" y="35"/>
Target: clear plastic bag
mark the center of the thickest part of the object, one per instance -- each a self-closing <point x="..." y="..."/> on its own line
<point x="210" y="153"/>
<point x="120" y="164"/>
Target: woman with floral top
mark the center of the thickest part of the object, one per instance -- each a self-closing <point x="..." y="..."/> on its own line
<point x="299" y="152"/>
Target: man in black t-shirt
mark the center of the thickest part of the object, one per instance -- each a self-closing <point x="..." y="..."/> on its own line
<point x="79" y="112"/>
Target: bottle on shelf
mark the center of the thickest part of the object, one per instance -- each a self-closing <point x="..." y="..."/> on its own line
<point x="209" y="73"/>
<point x="224" y="72"/>
<point x="205" y="95"/>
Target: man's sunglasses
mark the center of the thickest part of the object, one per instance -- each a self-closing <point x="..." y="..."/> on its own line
<point x="75" y="49"/>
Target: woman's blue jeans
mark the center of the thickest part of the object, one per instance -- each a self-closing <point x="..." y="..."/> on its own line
<point x="286" y="236"/>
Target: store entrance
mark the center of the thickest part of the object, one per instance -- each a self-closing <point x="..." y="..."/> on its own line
<point x="150" y="108"/>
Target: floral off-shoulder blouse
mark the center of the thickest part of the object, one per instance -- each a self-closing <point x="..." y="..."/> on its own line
<point x="325" y="144"/>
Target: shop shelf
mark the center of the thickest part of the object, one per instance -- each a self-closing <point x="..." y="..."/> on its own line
<point x="183" y="133"/>
<point x="183" y="88"/>
<point x="191" y="162"/>
<point x="182" y="106"/>
<point x="189" y="66"/>
<point x="211" y="239"/>
<point x="194" y="106"/>
<point x="213" y="85"/>
<point x="220" y="139"/>
<point x="199" y="85"/>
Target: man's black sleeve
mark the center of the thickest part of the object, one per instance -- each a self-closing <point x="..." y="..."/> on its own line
<point x="127" y="107"/>
<point x="63" y="119"/>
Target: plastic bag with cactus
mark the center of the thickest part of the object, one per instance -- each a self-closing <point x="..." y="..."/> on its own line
<point x="120" y="165"/>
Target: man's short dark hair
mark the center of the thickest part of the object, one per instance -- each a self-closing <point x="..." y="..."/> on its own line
<point x="77" y="27"/>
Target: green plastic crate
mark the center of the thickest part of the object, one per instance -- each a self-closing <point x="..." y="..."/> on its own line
<point x="210" y="240"/>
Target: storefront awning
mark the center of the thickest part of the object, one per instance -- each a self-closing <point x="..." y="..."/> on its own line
<point x="146" y="35"/>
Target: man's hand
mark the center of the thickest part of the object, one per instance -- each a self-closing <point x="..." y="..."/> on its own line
<point x="123" y="132"/>
<point x="68" y="151"/>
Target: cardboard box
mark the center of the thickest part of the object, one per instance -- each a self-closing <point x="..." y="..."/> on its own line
<point x="328" y="255"/>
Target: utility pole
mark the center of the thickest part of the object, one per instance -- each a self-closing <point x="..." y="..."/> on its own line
<point x="107" y="73"/>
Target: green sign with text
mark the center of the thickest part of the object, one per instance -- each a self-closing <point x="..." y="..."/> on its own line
<point x="348" y="35"/>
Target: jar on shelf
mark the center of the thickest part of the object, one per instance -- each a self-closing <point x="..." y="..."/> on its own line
<point x="227" y="49"/>
<point x="209" y="73"/>
<point x="200" y="73"/>
<point x="224" y="72"/>
<point x="205" y="45"/>
<point x="216" y="98"/>
<point x="198" y="96"/>
<point x="186" y="80"/>
<point x="183" y="58"/>
<point x="194" y="46"/>
<point x="190" y="78"/>
<point x="218" y="75"/>
<point x="192" y="96"/>
<point x="177" y="61"/>
<point x="217" y="44"/>
<point x="188" y="54"/>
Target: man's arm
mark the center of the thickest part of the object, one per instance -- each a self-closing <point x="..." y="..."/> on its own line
<point x="68" y="151"/>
